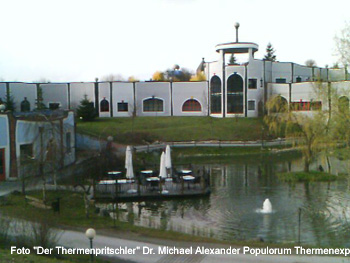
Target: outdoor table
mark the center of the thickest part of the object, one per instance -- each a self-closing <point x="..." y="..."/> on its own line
<point x="125" y="181"/>
<point x="106" y="182"/>
<point x="114" y="172"/>
<point x="188" y="179"/>
<point x="147" y="172"/>
<point x="186" y="171"/>
<point x="154" y="181"/>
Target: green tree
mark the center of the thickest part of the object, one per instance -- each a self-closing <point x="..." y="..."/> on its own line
<point x="9" y="102"/>
<point x="307" y="133"/>
<point x="86" y="110"/>
<point x="270" y="53"/>
<point x="39" y="105"/>
<point x="233" y="60"/>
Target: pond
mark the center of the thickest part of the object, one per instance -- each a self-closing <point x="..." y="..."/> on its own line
<point x="239" y="189"/>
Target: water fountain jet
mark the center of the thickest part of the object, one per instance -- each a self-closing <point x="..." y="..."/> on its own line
<point x="267" y="207"/>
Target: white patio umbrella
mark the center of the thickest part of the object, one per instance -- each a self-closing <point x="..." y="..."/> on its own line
<point x="128" y="163"/>
<point x="167" y="157"/>
<point x="162" y="170"/>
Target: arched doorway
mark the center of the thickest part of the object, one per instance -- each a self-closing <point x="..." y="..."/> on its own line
<point x="215" y="95"/>
<point x="235" y="94"/>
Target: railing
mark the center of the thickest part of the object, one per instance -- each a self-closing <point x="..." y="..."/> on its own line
<point x="219" y="143"/>
<point x="170" y="187"/>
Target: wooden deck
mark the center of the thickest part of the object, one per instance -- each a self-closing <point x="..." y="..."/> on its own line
<point x="140" y="189"/>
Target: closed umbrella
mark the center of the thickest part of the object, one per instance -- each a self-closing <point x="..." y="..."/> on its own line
<point x="162" y="170"/>
<point x="128" y="163"/>
<point x="167" y="157"/>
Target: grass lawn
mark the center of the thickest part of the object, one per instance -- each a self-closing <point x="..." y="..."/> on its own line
<point x="312" y="176"/>
<point x="149" y="129"/>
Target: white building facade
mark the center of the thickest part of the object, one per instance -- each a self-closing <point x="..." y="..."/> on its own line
<point x="231" y="90"/>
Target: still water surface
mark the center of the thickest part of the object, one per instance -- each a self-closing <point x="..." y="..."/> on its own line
<point x="239" y="188"/>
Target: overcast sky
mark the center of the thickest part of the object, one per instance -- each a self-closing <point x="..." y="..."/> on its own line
<point x="78" y="40"/>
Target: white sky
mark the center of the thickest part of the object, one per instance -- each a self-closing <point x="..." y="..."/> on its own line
<point x="78" y="40"/>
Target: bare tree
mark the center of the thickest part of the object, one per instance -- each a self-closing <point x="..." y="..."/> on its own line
<point x="47" y="146"/>
<point x="113" y="77"/>
<point x="342" y="41"/>
<point x="310" y="63"/>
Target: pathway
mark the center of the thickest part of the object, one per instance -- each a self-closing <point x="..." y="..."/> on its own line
<point x="78" y="240"/>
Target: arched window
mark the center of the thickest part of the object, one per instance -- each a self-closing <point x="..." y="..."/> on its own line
<point x="215" y="95"/>
<point x="191" y="105"/>
<point x="153" y="105"/>
<point x="235" y="94"/>
<point x="343" y="104"/>
<point x="25" y="105"/>
<point x="104" y="105"/>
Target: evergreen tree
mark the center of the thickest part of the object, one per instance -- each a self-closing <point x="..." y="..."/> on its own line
<point x="39" y="105"/>
<point x="86" y="110"/>
<point x="270" y="53"/>
<point x="9" y="102"/>
<point x="233" y="60"/>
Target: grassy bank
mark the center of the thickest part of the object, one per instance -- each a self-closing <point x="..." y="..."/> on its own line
<point x="72" y="215"/>
<point x="206" y="155"/>
<point x="312" y="176"/>
<point x="149" y="129"/>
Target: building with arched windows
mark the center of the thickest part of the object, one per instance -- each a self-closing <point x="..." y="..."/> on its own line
<point x="241" y="90"/>
<point x="231" y="89"/>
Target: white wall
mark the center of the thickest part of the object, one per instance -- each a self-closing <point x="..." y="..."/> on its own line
<point x="5" y="142"/>
<point x="281" y="70"/>
<point x="336" y="74"/>
<point x="55" y="93"/>
<point x="123" y="92"/>
<point x="304" y="91"/>
<point x="2" y="91"/>
<point x="27" y="132"/>
<point x="304" y="72"/>
<point x="183" y="91"/>
<point x="68" y="126"/>
<point x="21" y="90"/>
<point x="104" y="92"/>
<point x="278" y="89"/>
<point x="255" y="71"/>
<point x="78" y="90"/>
<point x="146" y="90"/>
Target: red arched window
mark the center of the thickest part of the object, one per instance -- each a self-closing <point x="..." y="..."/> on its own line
<point x="191" y="105"/>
